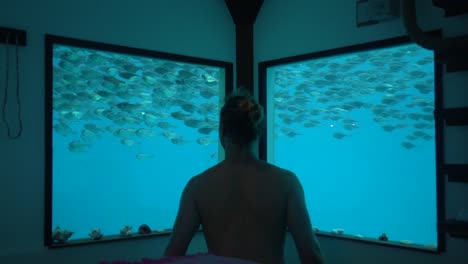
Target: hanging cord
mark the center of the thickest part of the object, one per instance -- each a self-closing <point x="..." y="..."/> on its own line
<point x="5" y="99"/>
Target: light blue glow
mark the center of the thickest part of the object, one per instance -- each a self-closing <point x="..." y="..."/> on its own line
<point x="125" y="167"/>
<point x="377" y="175"/>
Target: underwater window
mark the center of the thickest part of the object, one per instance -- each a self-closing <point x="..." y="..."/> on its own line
<point x="357" y="126"/>
<point x="120" y="122"/>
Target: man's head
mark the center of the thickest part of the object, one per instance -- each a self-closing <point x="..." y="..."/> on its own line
<point x="241" y="119"/>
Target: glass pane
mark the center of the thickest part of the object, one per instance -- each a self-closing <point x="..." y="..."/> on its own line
<point x="121" y="126"/>
<point x="358" y="130"/>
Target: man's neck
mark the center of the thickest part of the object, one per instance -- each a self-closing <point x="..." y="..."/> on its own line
<point x="237" y="153"/>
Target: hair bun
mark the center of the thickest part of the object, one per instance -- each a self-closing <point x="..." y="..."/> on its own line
<point x="246" y="104"/>
<point x="241" y="117"/>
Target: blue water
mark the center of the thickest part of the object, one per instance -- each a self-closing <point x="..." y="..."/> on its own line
<point x="123" y="169"/>
<point x="366" y="182"/>
<point x="108" y="188"/>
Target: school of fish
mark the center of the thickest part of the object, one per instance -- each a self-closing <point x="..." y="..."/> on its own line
<point x="98" y="93"/>
<point x="395" y="84"/>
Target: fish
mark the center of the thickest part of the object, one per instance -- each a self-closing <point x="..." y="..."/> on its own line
<point x="161" y="70"/>
<point x="169" y="134"/>
<point x="194" y="123"/>
<point x="311" y="123"/>
<point x="125" y="132"/>
<point x="129" y="107"/>
<point x="90" y="74"/>
<point x="63" y="129"/>
<point x="330" y="77"/>
<point x="408" y="145"/>
<point x="204" y="141"/>
<point x="208" y="78"/>
<point x="128" y="142"/>
<point x="208" y="93"/>
<point x="145" y="132"/>
<point x="127" y="75"/>
<point x="417" y="74"/>
<point x="180" y="115"/>
<point x="88" y="136"/>
<point x="188" y="107"/>
<point x="350" y="126"/>
<point x="144" y="156"/>
<point x="179" y="140"/>
<point x="165" y="125"/>
<point x="78" y="146"/>
<point x="339" y="135"/>
<point x="150" y="119"/>
<point x="292" y="134"/>
<point x="68" y="66"/>
<point x="388" y="128"/>
<point x="206" y="130"/>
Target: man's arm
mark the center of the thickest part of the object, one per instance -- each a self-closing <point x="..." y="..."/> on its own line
<point x="186" y="223"/>
<point x="300" y="226"/>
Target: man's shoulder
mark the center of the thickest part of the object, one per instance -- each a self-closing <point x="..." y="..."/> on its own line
<point x="203" y="175"/>
<point x="209" y="171"/>
<point x="277" y="169"/>
<point x="262" y="166"/>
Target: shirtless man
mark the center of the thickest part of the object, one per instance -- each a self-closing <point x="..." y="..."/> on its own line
<point x="244" y="204"/>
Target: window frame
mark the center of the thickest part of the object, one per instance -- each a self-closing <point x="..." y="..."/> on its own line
<point x="50" y="41"/>
<point x="438" y="121"/>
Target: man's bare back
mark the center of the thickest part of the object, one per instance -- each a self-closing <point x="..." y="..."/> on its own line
<point x="243" y="204"/>
<point x="243" y="208"/>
